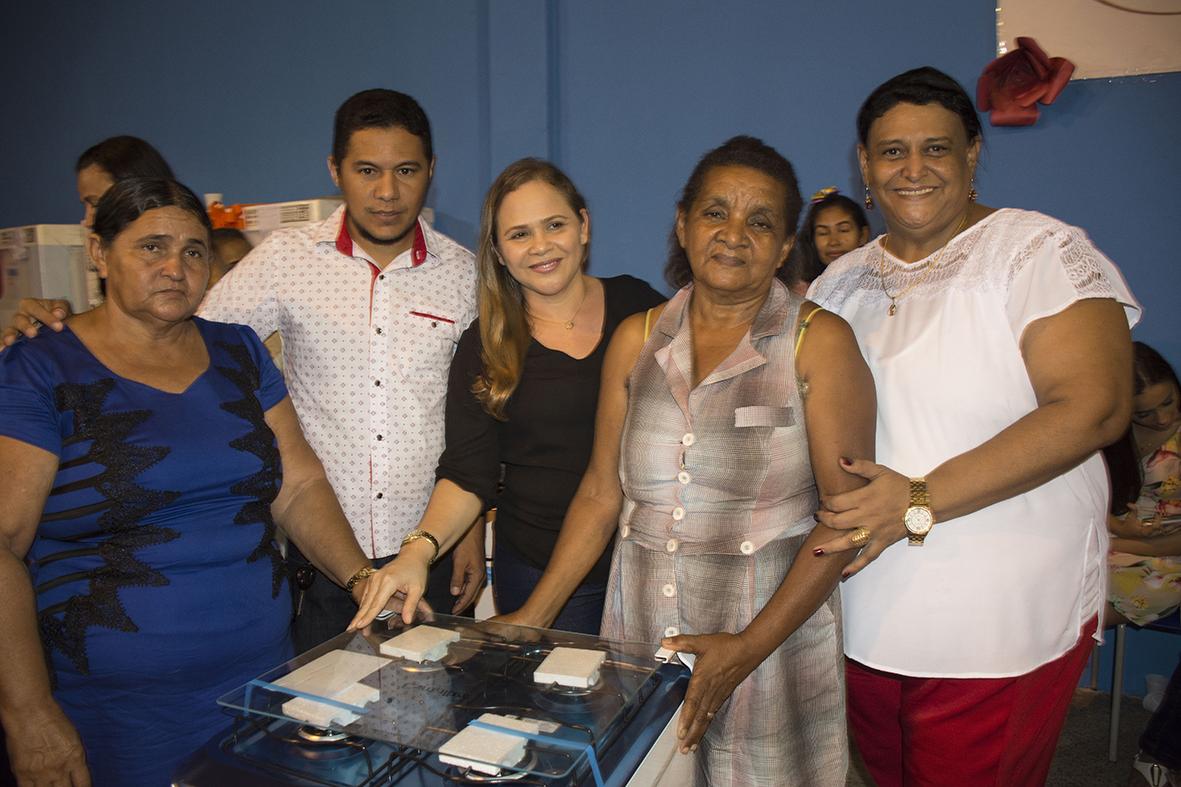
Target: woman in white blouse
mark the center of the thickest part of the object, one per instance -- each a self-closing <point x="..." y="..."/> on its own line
<point x="999" y="343"/>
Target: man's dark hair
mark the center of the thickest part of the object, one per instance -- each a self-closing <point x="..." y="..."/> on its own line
<point x="379" y="108"/>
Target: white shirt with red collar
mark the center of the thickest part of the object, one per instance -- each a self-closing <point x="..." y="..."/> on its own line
<point x="366" y="353"/>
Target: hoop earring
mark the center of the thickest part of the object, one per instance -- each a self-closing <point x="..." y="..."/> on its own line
<point x="868" y="198"/>
<point x="972" y="194"/>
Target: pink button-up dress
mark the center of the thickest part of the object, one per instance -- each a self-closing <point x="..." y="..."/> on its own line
<point x="719" y="496"/>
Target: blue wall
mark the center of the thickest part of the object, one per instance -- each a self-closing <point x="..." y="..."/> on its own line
<point x="625" y="95"/>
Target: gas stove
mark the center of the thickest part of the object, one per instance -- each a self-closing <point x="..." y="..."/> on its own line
<point x="359" y="710"/>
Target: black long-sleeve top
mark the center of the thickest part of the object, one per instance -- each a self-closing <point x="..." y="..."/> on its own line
<point x="545" y="444"/>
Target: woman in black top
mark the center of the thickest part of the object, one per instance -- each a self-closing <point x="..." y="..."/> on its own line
<point x="523" y="390"/>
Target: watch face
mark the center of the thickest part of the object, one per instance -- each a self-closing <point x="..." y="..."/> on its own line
<point x="918" y="520"/>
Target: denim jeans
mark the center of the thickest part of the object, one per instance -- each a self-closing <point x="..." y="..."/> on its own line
<point x="513" y="579"/>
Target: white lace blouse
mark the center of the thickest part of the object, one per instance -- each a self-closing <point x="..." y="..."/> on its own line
<point x="1006" y="589"/>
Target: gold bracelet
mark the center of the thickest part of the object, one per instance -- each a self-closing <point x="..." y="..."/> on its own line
<point x="362" y="573"/>
<point x="417" y="534"/>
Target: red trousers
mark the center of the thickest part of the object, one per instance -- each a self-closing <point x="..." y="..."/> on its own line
<point x="969" y="732"/>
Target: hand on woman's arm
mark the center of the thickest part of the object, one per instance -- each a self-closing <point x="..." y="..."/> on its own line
<point x="43" y="745"/>
<point x="1079" y="363"/>
<point x="594" y="512"/>
<point x="840" y="412"/>
<point x="31" y="314"/>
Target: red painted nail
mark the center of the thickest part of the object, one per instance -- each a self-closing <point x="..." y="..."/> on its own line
<point x="817" y="551"/>
<point x="846" y="460"/>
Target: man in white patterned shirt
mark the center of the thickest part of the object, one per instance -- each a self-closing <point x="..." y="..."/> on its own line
<point x="370" y="304"/>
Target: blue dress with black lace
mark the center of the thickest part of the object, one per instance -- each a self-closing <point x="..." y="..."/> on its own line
<point x="158" y="581"/>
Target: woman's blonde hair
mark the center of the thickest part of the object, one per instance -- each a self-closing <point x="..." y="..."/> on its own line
<point x="504" y="328"/>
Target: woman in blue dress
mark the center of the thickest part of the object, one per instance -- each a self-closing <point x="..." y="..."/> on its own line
<point x="147" y="458"/>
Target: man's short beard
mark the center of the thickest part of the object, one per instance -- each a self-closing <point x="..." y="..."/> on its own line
<point x="370" y="238"/>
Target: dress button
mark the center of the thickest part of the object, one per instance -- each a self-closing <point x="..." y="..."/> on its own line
<point x="377" y="383"/>
<point x="671" y="545"/>
<point x="669" y="591"/>
<point x="378" y="329"/>
<point x="381" y="277"/>
<point x="684" y="477"/>
<point x="688" y="439"/>
<point x="379" y="437"/>
<point x="746" y="548"/>
<point x="678" y="514"/>
<point x="672" y="631"/>
<point x="624" y="530"/>
<point x="380" y="495"/>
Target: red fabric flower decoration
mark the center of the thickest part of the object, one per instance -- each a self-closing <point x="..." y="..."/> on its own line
<point x="1011" y="86"/>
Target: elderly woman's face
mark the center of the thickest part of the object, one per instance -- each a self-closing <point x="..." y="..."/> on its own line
<point x="157" y="268"/>
<point x="736" y="233"/>
<point x="918" y="163"/>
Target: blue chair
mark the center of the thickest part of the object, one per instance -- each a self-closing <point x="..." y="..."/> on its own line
<point x="1170" y="624"/>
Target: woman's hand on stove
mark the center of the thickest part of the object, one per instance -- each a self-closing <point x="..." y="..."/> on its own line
<point x="722" y="662"/>
<point x="517" y="618"/>
<point x="47" y="750"/>
<point x="399" y="584"/>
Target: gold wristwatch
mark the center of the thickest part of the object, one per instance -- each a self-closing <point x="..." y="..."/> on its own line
<point x="918" y="519"/>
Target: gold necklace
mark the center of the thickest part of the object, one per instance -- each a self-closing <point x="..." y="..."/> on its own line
<point x="930" y="266"/>
<point x="567" y="324"/>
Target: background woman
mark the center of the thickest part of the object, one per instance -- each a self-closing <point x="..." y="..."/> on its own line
<point x="1146" y="541"/>
<point x="715" y="412"/>
<point x="110" y="161"/>
<point x="999" y="344"/>
<point x="835" y="224"/>
<point x="524" y="383"/>
<point x="1145" y="580"/>
<point x="148" y="457"/>
<point x="98" y="168"/>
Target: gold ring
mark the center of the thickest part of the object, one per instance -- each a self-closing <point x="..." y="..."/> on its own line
<point x="859" y="536"/>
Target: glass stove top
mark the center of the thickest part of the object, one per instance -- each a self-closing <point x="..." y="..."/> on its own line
<point x="488" y="670"/>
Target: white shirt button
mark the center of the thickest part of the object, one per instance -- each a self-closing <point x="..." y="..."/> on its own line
<point x="669" y="591"/>
<point x="672" y="631"/>
<point x="624" y="530"/>
<point x="671" y="545"/>
<point x="678" y="513"/>
<point x="684" y="477"/>
<point x="746" y="548"/>
<point x="688" y="439"/>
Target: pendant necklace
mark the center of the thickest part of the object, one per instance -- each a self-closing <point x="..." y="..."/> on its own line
<point x="567" y="324"/>
<point x="930" y="266"/>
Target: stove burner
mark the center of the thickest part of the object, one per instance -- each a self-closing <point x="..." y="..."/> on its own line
<point x="320" y="735"/>
<point x="512" y="773"/>
<point x="569" y="703"/>
<point x="421" y="667"/>
<point x="570" y="691"/>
